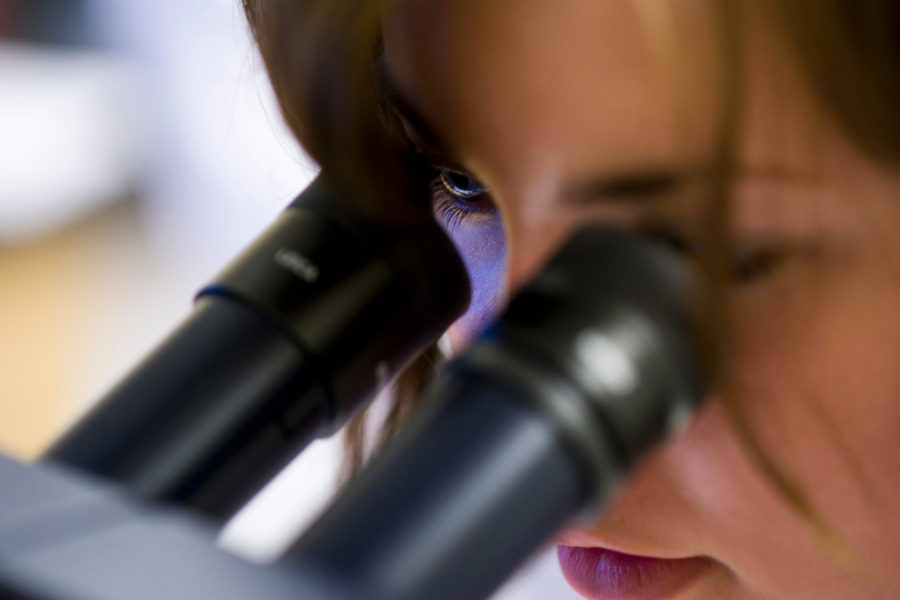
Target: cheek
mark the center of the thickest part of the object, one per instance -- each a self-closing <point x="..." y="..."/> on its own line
<point x="483" y="250"/>
<point x="820" y="385"/>
<point x="827" y="360"/>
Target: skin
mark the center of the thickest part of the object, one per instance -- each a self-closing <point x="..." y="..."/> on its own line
<point x="534" y="100"/>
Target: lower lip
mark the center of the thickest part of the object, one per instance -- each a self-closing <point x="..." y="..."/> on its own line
<point x="601" y="574"/>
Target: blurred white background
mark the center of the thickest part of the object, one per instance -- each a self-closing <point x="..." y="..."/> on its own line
<point x="140" y="150"/>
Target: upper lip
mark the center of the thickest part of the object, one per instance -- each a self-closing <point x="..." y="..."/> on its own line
<point x="577" y="538"/>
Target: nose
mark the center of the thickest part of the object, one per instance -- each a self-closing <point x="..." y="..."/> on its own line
<point x="533" y="237"/>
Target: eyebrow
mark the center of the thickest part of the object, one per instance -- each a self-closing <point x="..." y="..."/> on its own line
<point x="648" y="185"/>
<point x="643" y="185"/>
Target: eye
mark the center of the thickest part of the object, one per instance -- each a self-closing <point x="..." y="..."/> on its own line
<point x="458" y="198"/>
<point x="461" y="185"/>
<point x="751" y="264"/>
<point x="748" y="263"/>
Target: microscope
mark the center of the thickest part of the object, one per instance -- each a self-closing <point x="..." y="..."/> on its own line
<point x="591" y="365"/>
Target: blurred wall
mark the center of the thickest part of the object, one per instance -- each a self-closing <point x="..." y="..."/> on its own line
<point x="141" y="149"/>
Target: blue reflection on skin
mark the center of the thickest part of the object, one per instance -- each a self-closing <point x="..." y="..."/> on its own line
<point x="482" y="247"/>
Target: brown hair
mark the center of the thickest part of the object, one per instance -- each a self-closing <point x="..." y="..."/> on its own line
<point x="322" y="58"/>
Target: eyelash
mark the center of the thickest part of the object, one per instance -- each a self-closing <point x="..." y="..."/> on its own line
<point x="453" y="208"/>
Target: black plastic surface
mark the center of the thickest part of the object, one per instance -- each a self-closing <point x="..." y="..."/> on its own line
<point x="207" y="418"/>
<point x="463" y="498"/>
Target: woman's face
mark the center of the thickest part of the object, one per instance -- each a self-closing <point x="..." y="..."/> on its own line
<point x="569" y="111"/>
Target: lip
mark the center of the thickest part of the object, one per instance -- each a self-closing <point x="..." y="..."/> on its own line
<point x="602" y="574"/>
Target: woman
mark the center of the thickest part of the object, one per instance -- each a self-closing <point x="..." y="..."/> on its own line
<point x="760" y="138"/>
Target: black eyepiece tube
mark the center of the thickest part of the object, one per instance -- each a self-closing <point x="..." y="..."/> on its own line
<point x="283" y="347"/>
<point x="539" y="421"/>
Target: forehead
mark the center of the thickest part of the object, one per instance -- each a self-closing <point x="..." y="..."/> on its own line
<point x="581" y="80"/>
